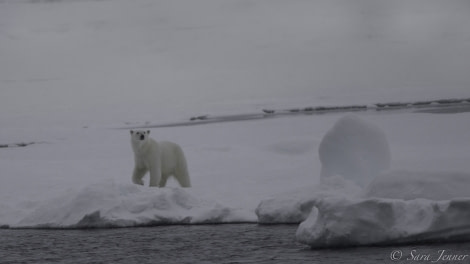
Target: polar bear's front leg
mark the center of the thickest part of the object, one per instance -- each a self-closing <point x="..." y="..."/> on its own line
<point x="138" y="174"/>
<point x="155" y="176"/>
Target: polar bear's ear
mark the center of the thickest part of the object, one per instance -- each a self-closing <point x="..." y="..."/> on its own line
<point x="132" y="132"/>
<point x="148" y="132"/>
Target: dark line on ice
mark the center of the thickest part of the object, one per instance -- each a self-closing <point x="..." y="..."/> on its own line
<point x="16" y="145"/>
<point x="441" y="106"/>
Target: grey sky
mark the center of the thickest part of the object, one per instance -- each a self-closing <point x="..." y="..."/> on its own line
<point x="98" y="56"/>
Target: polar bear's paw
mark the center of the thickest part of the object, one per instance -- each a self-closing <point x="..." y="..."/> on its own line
<point x="138" y="181"/>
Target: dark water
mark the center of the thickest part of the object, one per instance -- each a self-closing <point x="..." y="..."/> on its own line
<point x="243" y="243"/>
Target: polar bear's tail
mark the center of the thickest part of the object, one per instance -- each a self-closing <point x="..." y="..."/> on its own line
<point x="181" y="172"/>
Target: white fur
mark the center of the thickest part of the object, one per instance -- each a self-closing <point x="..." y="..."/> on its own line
<point x="161" y="159"/>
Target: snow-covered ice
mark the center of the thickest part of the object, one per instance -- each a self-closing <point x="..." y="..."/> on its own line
<point x="252" y="171"/>
<point x="73" y="70"/>
<point x="108" y="204"/>
<point x="338" y="222"/>
<point x="294" y="206"/>
<point x="397" y="207"/>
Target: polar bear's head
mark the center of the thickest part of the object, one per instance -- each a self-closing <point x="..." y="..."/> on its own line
<point x="140" y="135"/>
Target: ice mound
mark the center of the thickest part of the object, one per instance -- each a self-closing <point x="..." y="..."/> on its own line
<point x="394" y="207"/>
<point x="117" y="205"/>
<point x="338" y="222"/>
<point x="352" y="153"/>
<point x="354" y="149"/>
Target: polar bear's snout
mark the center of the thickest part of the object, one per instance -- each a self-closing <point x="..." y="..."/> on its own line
<point x="139" y="135"/>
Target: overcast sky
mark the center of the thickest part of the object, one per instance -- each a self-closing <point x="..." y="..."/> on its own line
<point x="121" y="56"/>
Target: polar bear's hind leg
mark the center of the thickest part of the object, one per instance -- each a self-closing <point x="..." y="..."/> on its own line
<point x="162" y="182"/>
<point x="181" y="171"/>
<point x="183" y="179"/>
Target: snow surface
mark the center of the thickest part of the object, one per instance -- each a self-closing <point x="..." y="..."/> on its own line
<point x="73" y="70"/>
<point x="107" y="204"/>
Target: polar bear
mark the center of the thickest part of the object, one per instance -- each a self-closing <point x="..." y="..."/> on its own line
<point x="161" y="159"/>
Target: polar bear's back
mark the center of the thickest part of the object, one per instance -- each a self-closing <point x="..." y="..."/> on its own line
<point x="169" y="147"/>
<point x="171" y="156"/>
